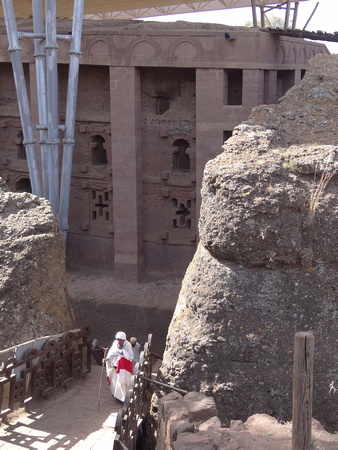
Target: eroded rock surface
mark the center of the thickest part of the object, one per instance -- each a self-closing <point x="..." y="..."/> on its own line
<point x="33" y="280"/>
<point x="191" y="422"/>
<point x="266" y="265"/>
<point x="307" y="113"/>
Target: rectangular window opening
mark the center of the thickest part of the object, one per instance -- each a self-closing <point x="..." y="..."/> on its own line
<point x="285" y="81"/>
<point x="162" y="104"/>
<point x="226" y="135"/>
<point x="233" y="87"/>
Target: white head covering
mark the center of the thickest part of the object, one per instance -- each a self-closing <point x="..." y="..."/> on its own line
<point x="121" y="335"/>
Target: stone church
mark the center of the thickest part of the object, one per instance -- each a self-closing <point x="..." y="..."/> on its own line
<point x="156" y="101"/>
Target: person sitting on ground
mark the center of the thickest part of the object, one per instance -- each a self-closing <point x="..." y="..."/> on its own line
<point x="136" y="350"/>
<point x="119" y="366"/>
<point x="97" y="352"/>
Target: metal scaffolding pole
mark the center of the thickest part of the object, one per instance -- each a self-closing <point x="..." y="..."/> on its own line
<point x="68" y="141"/>
<point x="20" y="84"/>
<point x="287" y="14"/>
<point x="40" y="63"/>
<point x="45" y="46"/>
<point x="254" y="13"/>
<point x="52" y="106"/>
<point x="295" y="15"/>
<point x="262" y="17"/>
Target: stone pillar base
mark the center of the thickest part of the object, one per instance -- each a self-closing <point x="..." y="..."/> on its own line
<point x="129" y="272"/>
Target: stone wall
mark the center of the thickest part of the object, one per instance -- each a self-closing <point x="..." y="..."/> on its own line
<point x="33" y="280"/>
<point x="156" y="101"/>
<point x="187" y="422"/>
<point x="191" y="422"/>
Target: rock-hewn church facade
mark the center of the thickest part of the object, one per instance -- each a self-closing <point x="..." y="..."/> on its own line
<point x="155" y="102"/>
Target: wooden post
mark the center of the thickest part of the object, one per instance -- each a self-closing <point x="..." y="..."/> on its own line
<point x="302" y="391"/>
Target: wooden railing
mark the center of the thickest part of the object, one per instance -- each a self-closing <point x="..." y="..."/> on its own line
<point x="137" y="402"/>
<point x="38" y="372"/>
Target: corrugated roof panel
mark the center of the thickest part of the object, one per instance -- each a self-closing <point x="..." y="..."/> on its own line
<point x="123" y="9"/>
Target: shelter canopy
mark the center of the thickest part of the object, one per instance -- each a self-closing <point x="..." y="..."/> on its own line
<point x="133" y="9"/>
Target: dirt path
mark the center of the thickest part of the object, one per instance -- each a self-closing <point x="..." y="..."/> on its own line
<point x="110" y="305"/>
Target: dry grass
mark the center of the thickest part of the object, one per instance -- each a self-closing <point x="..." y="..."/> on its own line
<point x="317" y="191"/>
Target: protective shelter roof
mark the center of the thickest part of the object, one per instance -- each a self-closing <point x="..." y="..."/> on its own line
<point x="132" y="9"/>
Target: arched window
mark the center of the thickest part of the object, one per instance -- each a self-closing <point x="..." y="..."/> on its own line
<point x="181" y="159"/>
<point x="23" y="185"/>
<point x="99" y="153"/>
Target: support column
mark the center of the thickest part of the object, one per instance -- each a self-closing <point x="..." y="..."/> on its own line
<point x="125" y="92"/>
<point x="23" y="103"/>
<point x="254" y="14"/>
<point x="253" y="87"/>
<point x="209" y="122"/>
<point x="298" y="76"/>
<point x="287" y="14"/>
<point x="295" y="15"/>
<point x="262" y="17"/>
<point x="270" y="86"/>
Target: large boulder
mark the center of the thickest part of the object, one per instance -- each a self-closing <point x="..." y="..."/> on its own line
<point x="266" y="264"/>
<point x="33" y="280"/>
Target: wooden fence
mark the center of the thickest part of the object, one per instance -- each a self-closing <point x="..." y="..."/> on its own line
<point x="39" y="372"/>
<point x="67" y="357"/>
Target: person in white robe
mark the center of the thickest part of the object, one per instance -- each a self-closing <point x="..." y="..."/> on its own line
<point x="119" y="366"/>
<point x="136" y="350"/>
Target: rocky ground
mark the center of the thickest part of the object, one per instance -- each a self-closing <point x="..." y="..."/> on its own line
<point x="270" y="434"/>
<point x="267" y="433"/>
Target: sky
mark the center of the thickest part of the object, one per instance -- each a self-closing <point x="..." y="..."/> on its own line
<point x="325" y="18"/>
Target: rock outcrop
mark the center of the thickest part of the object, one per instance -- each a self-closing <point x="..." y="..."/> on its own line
<point x="266" y="265"/>
<point x="33" y="280"/>
<point x="191" y="422"/>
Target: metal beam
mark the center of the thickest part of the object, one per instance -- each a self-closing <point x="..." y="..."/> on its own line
<point x="123" y="9"/>
<point x="40" y="64"/>
<point x="295" y="16"/>
<point x="287" y="14"/>
<point x="68" y="141"/>
<point x="21" y="89"/>
<point x="45" y="53"/>
<point x="52" y="106"/>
